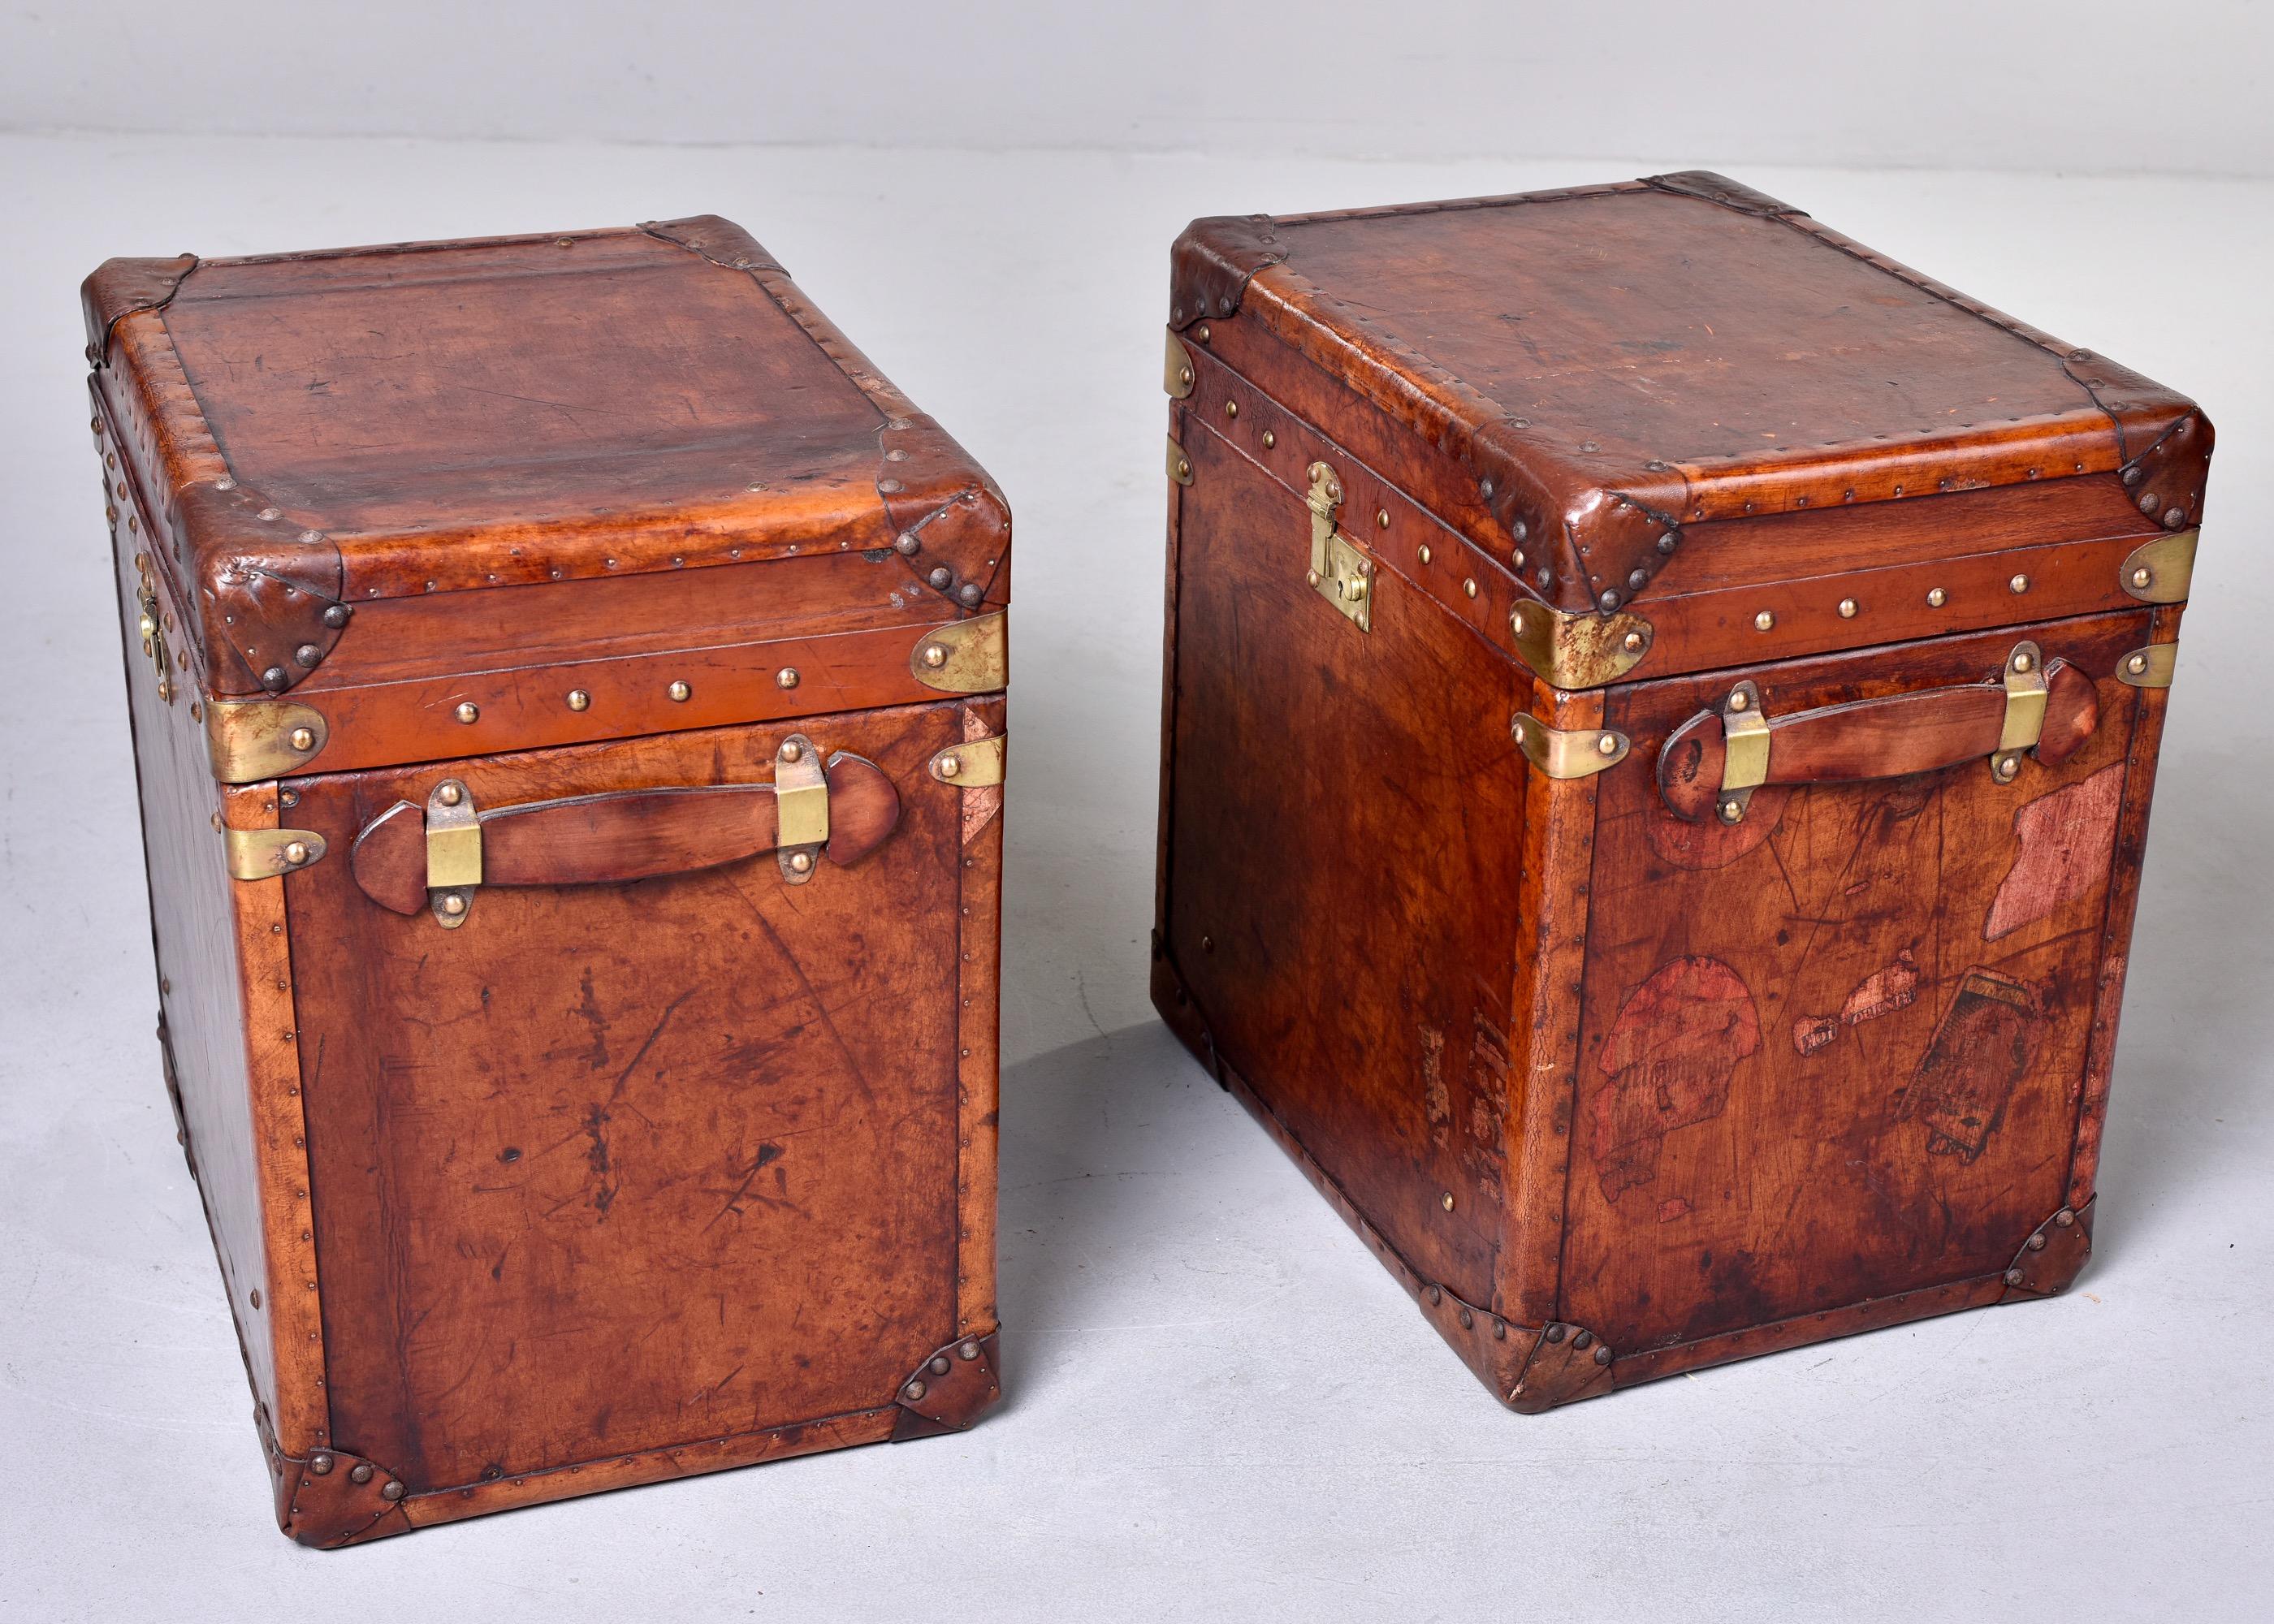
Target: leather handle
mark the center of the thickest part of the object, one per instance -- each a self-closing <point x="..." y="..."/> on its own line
<point x="1924" y="731"/>
<point x="627" y="835"/>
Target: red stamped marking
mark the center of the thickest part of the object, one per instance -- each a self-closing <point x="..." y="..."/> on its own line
<point x="1669" y="1055"/>
<point x="2068" y="839"/>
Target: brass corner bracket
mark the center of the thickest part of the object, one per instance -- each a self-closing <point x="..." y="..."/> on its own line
<point x="1570" y="651"/>
<point x="265" y="854"/>
<point x="1180" y="466"/>
<point x="1577" y="754"/>
<point x="2160" y="571"/>
<point x="249" y="740"/>
<point x="975" y="764"/>
<point x="963" y="656"/>
<point x="1177" y="369"/>
<point x="2149" y="667"/>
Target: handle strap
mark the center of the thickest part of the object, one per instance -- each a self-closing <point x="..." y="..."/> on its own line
<point x="1712" y="763"/>
<point x="436" y="857"/>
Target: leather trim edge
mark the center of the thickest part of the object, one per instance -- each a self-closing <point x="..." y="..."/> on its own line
<point x="117" y="288"/>
<point x="1213" y="261"/>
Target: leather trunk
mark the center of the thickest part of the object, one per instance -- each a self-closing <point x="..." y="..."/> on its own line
<point x="567" y="688"/>
<point x="1661" y="711"/>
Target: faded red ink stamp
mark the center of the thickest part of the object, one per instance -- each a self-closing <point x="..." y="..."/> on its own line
<point x="1980" y="1053"/>
<point x="1670" y="1055"/>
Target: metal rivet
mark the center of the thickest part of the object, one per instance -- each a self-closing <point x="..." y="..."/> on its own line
<point x="275" y="678"/>
<point x="2148" y="502"/>
<point x="302" y="739"/>
<point x="320" y="1464"/>
<point x="1311" y="576"/>
<point x="792" y="750"/>
<point x="1231" y="409"/>
<point x="935" y="655"/>
<point x="309" y="655"/>
<point x="1669" y="542"/>
<point x="1608" y="744"/>
<point x="2036" y="1242"/>
<point x="950" y="765"/>
<point x="2143" y="576"/>
<point x="1740" y="700"/>
<point x="337" y="616"/>
<point x="2132" y="475"/>
<point x="1381" y="517"/>
<point x="1184" y="471"/>
<point x="939" y="1364"/>
<point x="360" y="1472"/>
<point x="1602" y="1354"/>
<point x="907" y="543"/>
<point x="1609" y="600"/>
<point x="969" y="594"/>
<point x="2138" y="663"/>
<point x="1846" y="608"/>
<point x="2013" y="1277"/>
<point x="2018" y="584"/>
<point x="786" y="677"/>
<point x="295" y="852"/>
<point x="450" y="794"/>
<point x="942" y="576"/>
<point x="800" y="862"/>
<point x="390" y="1490"/>
<point x="1467" y="1319"/>
<point x="966" y="1349"/>
<point x="2006" y="766"/>
<point x="1583" y="1338"/>
<point x="1764" y="620"/>
<point x="1185" y="376"/>
<point x="915" y="1390"/>
<point x="1936" y="597"/>
<point x="2174" y="518"/>
<point x="679" y="691"/>
<point x="2064" y="1217"/>
<point x="1425" y="555"/>
<point x="1555" y="1333"/>
<point x="454" y="904"/>
<point x="1201" y="333"/>
<point x="1269" y="440"/>
<point x="1469" y="586"/>
<point x="579" y="700"/>
<point x="1732" y="810"/>
<point x="1516" y="559"/>
<point x="2022" y="662"/>
<point x="1435" y="1294"/>
<point x="1632" y="643"/>
<point x="1446" y="1201"/>
<point x="468" y="711"/>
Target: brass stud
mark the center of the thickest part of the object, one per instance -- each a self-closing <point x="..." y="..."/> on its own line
<point x="2144" y="576"/>
<point x="579" y="700"/>
<point x="679" y="692"/>
<point x="468" y="711"/>
<point x="1632" y="643"/>
<point x="950" y="765"/>
<point x="1732" y="810"/>
<point x="1231" y="409"/>
<point x="1184" y="471"/>
<point x="1516" y="559"/>
<point x="302" y="739"/>
<point x="1381" y="517"/>
<point x="792" y="750"/>
<point x="1469" y="587"/>
<point x="295" y="852"/>
<point x="1738" y="701"/>
<point x="1185" y="376"/>
<point x="2022" y="662"/>
<point x="1311" y="576"/>
<point x="2018" y="585"/>
<point x="1446" y="1201"/>
<point x="800" y="862"/>
<point x="1269" y="440"/>
<point x="1607" y="744"/>
<point x="1936" y="597"/>
<point x="1764" y="621"/>
<point x="935" y="655"/>
<point x="1846" y="608"/>
<point x="786" y="677"/>
<point x="2005" y="767"/>
<point x="1425" y="555"/>
<point x="454" y="904"/>
<point x="1201" y="333"/>
<point x="449" y="794"/>
<point x="2138" y="663"/>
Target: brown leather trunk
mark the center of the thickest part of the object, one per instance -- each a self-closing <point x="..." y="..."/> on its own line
<point x="1633" y="1033"/>
<point x="566" y="693"/>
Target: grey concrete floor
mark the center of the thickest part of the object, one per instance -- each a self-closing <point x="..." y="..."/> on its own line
<point x="1219" y="1405"/>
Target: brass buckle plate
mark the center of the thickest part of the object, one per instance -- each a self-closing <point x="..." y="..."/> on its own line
<point x="454" y="852"/>
<point x="2026" y="693"/>
<point x="1745" y="751"/>
<point x="801" y="807"/>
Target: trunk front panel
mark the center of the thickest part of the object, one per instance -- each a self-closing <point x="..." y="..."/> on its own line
<point x="1835" y="1051"/>
<point x="617" y="1166"/>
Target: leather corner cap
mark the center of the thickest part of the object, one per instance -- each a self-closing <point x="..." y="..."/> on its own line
<point x="1213" y="261"/>
<point x="1712" y="188"/>
<point x="118" y="288"/>
<point x="716" y="240"/>
<point x="270" y="594"/>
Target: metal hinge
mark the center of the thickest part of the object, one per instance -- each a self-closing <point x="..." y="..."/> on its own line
<point x="1339" y="572"/>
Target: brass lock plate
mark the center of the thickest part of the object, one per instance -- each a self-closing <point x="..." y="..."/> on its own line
<point x="1338" y="572"/>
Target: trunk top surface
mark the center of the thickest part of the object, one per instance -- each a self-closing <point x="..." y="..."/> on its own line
<point x="1600" y="383"/>
<point x="305" y="435"/>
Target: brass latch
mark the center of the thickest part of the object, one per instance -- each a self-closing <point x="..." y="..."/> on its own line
<point x="152" y="626"/>
<point x="1339" y="572"/>
<point x="2026" y="693"/>
<point x="801" y="807"/>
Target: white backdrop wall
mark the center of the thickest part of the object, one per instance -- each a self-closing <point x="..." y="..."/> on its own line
<point x="2091" y="86"/>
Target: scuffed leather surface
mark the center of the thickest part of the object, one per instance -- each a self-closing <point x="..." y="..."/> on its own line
<point x="263" y="594"/>
<point x="716" y="240"/>
<point x="1213" y="261"/>
<point x="118" y="288"/>
<point x="1721" y="189"/>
